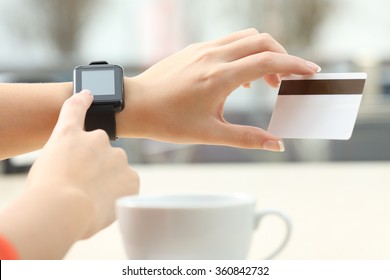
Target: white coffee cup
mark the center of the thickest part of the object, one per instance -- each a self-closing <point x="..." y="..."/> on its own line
<point x="191" y="226"/>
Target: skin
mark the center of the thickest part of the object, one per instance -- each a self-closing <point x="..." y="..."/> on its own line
<point x="72" y="187"/>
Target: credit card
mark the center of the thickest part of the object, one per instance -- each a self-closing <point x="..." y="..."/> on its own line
<point x="321" y="106"/>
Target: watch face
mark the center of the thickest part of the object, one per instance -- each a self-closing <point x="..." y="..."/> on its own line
<point x="99" y="82"/>
<point x="105" y="81"/>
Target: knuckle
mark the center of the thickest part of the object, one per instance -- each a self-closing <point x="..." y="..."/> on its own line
<point x="121" y="155"/>
<point x="259" y="42"/>
<point x="66" y="129"/>
<point x="209" y="77"/>
<point x="100" y="136"/>
<point x="265" y="59"/>
<point x="252" y="31"/>
<point x="136" y="181"/>
<point x="197" y="49"/>
<point x="262" y="41"/>
<point x="249" y="139"/>
<point x="265" y="40"/>
<point x="206" y="55"/>
<point x="194" y="46"/>
<point x="266" y="36"/>
<point x="133" y="182"/>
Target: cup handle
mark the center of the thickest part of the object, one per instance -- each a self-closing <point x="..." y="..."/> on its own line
<point x="287" y="221"/>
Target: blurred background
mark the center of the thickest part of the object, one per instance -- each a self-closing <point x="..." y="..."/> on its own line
<point x="42" y="40"/>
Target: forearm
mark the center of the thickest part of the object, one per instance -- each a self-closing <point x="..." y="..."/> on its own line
<point x="44" y="224"/>
<point x="28" y="113"/>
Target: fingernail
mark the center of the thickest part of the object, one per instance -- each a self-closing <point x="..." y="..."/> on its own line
<point x="313" y="66"/>
<point x="86" y="91"/>
<point x="273" y="145"/>
<point x="247" y="85"/>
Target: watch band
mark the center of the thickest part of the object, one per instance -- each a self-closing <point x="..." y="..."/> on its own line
<point x="101" y="117"/>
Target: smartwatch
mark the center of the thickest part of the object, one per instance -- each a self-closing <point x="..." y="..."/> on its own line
<point x="105" y="81"/>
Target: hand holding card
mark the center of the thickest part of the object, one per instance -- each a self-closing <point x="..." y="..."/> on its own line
<point x="322" y="106"/>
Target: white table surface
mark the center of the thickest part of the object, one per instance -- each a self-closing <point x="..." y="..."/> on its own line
<point x="338" y="210"/>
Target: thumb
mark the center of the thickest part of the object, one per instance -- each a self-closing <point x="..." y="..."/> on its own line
<point x="249" y="137"/>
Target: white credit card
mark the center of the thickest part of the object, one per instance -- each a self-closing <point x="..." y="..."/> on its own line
<point x="321" y="106"/>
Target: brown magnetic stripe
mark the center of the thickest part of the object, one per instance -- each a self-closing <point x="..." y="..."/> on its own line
<point x="317" y="87"/>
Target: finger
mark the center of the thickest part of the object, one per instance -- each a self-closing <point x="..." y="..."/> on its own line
<point x="248" y="137"/>
<point x="74" y="110"/>
<point x="256" y="66"/>
<point x="234" y="37"/>
<point x="251" y="45"/>
<point x="273" y="80"/>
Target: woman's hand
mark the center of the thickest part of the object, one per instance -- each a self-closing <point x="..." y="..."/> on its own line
<point x="181" y="99"/>
<point x="83" y="162"/>
<point x="71" y="188"/>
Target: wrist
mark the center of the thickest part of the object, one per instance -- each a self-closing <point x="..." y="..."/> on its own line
<point x="132" y="121"/>
<point x="74" y="209"/>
